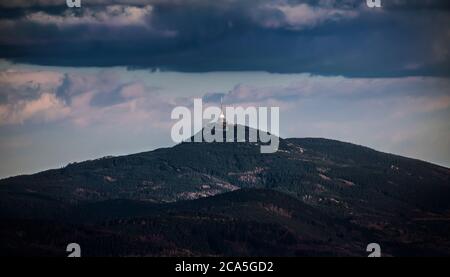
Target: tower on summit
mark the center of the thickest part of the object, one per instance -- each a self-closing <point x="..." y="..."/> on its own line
<point x="222" y="115"/>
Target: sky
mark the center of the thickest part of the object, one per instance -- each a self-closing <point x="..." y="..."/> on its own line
<point x="78" y="84"/>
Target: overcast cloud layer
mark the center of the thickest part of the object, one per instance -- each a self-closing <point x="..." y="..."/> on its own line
<point x="327" y="37"/>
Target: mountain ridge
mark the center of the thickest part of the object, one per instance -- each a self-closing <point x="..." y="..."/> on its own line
<point x="315" y="191"/>
<point x="285" y="139"/>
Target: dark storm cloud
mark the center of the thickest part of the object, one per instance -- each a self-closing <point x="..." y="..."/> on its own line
<point x="350" y="3"/>
<point x="322" y="37"/>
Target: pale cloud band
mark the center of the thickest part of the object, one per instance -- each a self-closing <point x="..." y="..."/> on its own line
<point x="44" y="96"/>
<point x="115" y="15"/>
<point x="301" y="16"/>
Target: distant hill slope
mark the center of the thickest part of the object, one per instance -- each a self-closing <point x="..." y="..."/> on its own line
<point x="339" y="185"/>
<point x="245" y="222"/>
<point x="248" y="222"/>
